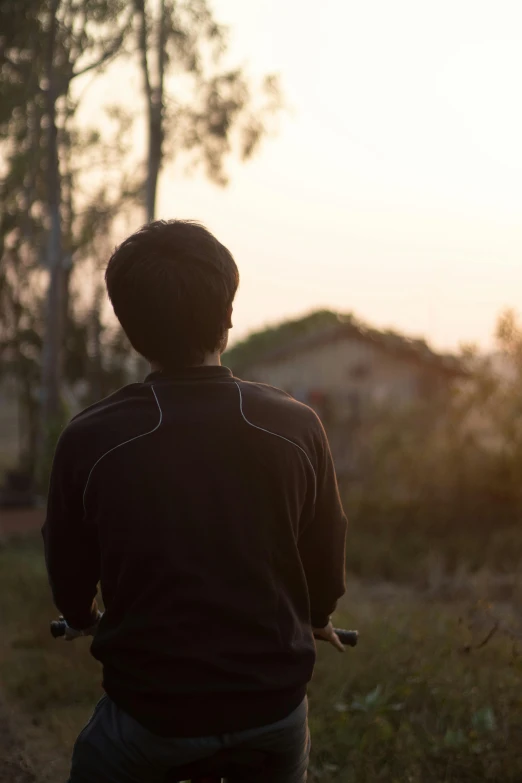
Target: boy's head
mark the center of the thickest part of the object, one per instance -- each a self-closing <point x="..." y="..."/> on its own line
<point x="172" y="285"/>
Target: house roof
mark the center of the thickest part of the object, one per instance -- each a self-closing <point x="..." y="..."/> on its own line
<point x="323" y="327"/>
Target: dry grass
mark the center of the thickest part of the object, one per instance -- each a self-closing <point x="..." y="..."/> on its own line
<point x="416" y="702"/>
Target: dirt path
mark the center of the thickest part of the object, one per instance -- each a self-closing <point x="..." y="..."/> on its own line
<point x="14" y="764"/>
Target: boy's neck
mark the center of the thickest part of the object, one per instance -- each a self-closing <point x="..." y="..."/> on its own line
<point x="210" y="360"/>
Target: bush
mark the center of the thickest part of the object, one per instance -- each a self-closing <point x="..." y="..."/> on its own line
<point x="417" y="701"/>
<point x="412" y="704"/>
<point x="442" y="483"/>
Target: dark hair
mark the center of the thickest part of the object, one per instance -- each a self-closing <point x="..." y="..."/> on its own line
<point x="171" y="285"/>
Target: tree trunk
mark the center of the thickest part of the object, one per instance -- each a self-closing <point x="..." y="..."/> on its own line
<point x="96" y="380"/>
<point x="156" y="131"/>
<point x="154" y="96"/>
<point x="52" y="354"/>
<point x="154" y="158"/>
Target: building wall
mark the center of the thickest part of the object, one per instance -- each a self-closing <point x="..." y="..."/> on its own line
<point x="344" y="367"/>
<point x="9" y="425"/>
<point x="340" y="379"/>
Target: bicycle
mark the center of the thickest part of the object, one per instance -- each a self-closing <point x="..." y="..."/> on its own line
<point x="226" y="763"/>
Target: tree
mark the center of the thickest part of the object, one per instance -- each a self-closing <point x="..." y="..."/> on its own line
<point x="49" y="213"/>
<point x="213" y="110"/>
<point x="44" y="47"/>
<point x="63" y="186"/>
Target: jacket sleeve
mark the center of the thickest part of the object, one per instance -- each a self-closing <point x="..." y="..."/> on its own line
<point x="71" y="544"/>
<point x="322" y="543"/>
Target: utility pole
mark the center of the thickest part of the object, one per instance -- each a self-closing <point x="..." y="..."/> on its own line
<point x="52" y="353"/>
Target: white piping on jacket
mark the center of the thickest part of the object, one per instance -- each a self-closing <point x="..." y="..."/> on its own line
<point x="123" y="444"/>
<point x="276" y="435"/>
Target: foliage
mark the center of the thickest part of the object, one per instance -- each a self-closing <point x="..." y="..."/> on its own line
<point x="213" y="110"/>
<point x="325" y="323"/>
<point x="257" y="343"/>
<point x="64" y="185"/>
<point x="411" y="703"/>
<point x="439" y="487"/>
<point x="61" y="190"/>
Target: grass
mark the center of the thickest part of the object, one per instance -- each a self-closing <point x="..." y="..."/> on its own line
<point x="416" y="702"/>
<point x="408" y="554"/>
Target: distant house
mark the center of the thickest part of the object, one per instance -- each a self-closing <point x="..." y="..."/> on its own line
<point x="9" y="423"/>
<point x="342" y="369"/>
<point x="13" y="416"/>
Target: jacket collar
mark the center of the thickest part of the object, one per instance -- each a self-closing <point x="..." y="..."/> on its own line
<point x="204" y="373"/>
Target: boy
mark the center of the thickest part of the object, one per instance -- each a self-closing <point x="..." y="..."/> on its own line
<point x="208" y="509"/>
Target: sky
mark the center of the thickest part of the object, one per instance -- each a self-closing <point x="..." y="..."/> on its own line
<point x="393" y="188"/>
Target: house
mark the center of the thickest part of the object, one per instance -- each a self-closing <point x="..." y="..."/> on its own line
<point x="9" y="422"/>
<point x="344" y="370"/>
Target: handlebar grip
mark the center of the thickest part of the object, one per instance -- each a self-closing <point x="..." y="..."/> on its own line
<point x="58" y="628"/>
<point x="348" y="638"/>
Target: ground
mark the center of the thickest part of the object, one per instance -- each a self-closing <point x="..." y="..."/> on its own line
<point x="432" y="694"/>
<point x="14" y="765"/>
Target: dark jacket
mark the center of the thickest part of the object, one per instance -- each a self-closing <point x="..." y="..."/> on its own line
<point x="208" y="509"/>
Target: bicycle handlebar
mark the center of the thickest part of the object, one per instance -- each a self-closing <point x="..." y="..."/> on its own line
<point x="348" y="638"/>
<point x="58" y="628"/>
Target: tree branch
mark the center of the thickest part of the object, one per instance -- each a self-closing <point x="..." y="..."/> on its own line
<point x="111" y="52"/>
<point x="139" y="6"/>
<point x="162" y="43"/>
<point x="71" y="14"/>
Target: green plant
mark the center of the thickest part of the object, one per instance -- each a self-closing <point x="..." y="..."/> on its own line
<point x="408" y="704"/>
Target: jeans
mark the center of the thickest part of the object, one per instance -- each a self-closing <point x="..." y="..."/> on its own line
<point x="114" y="748"/>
